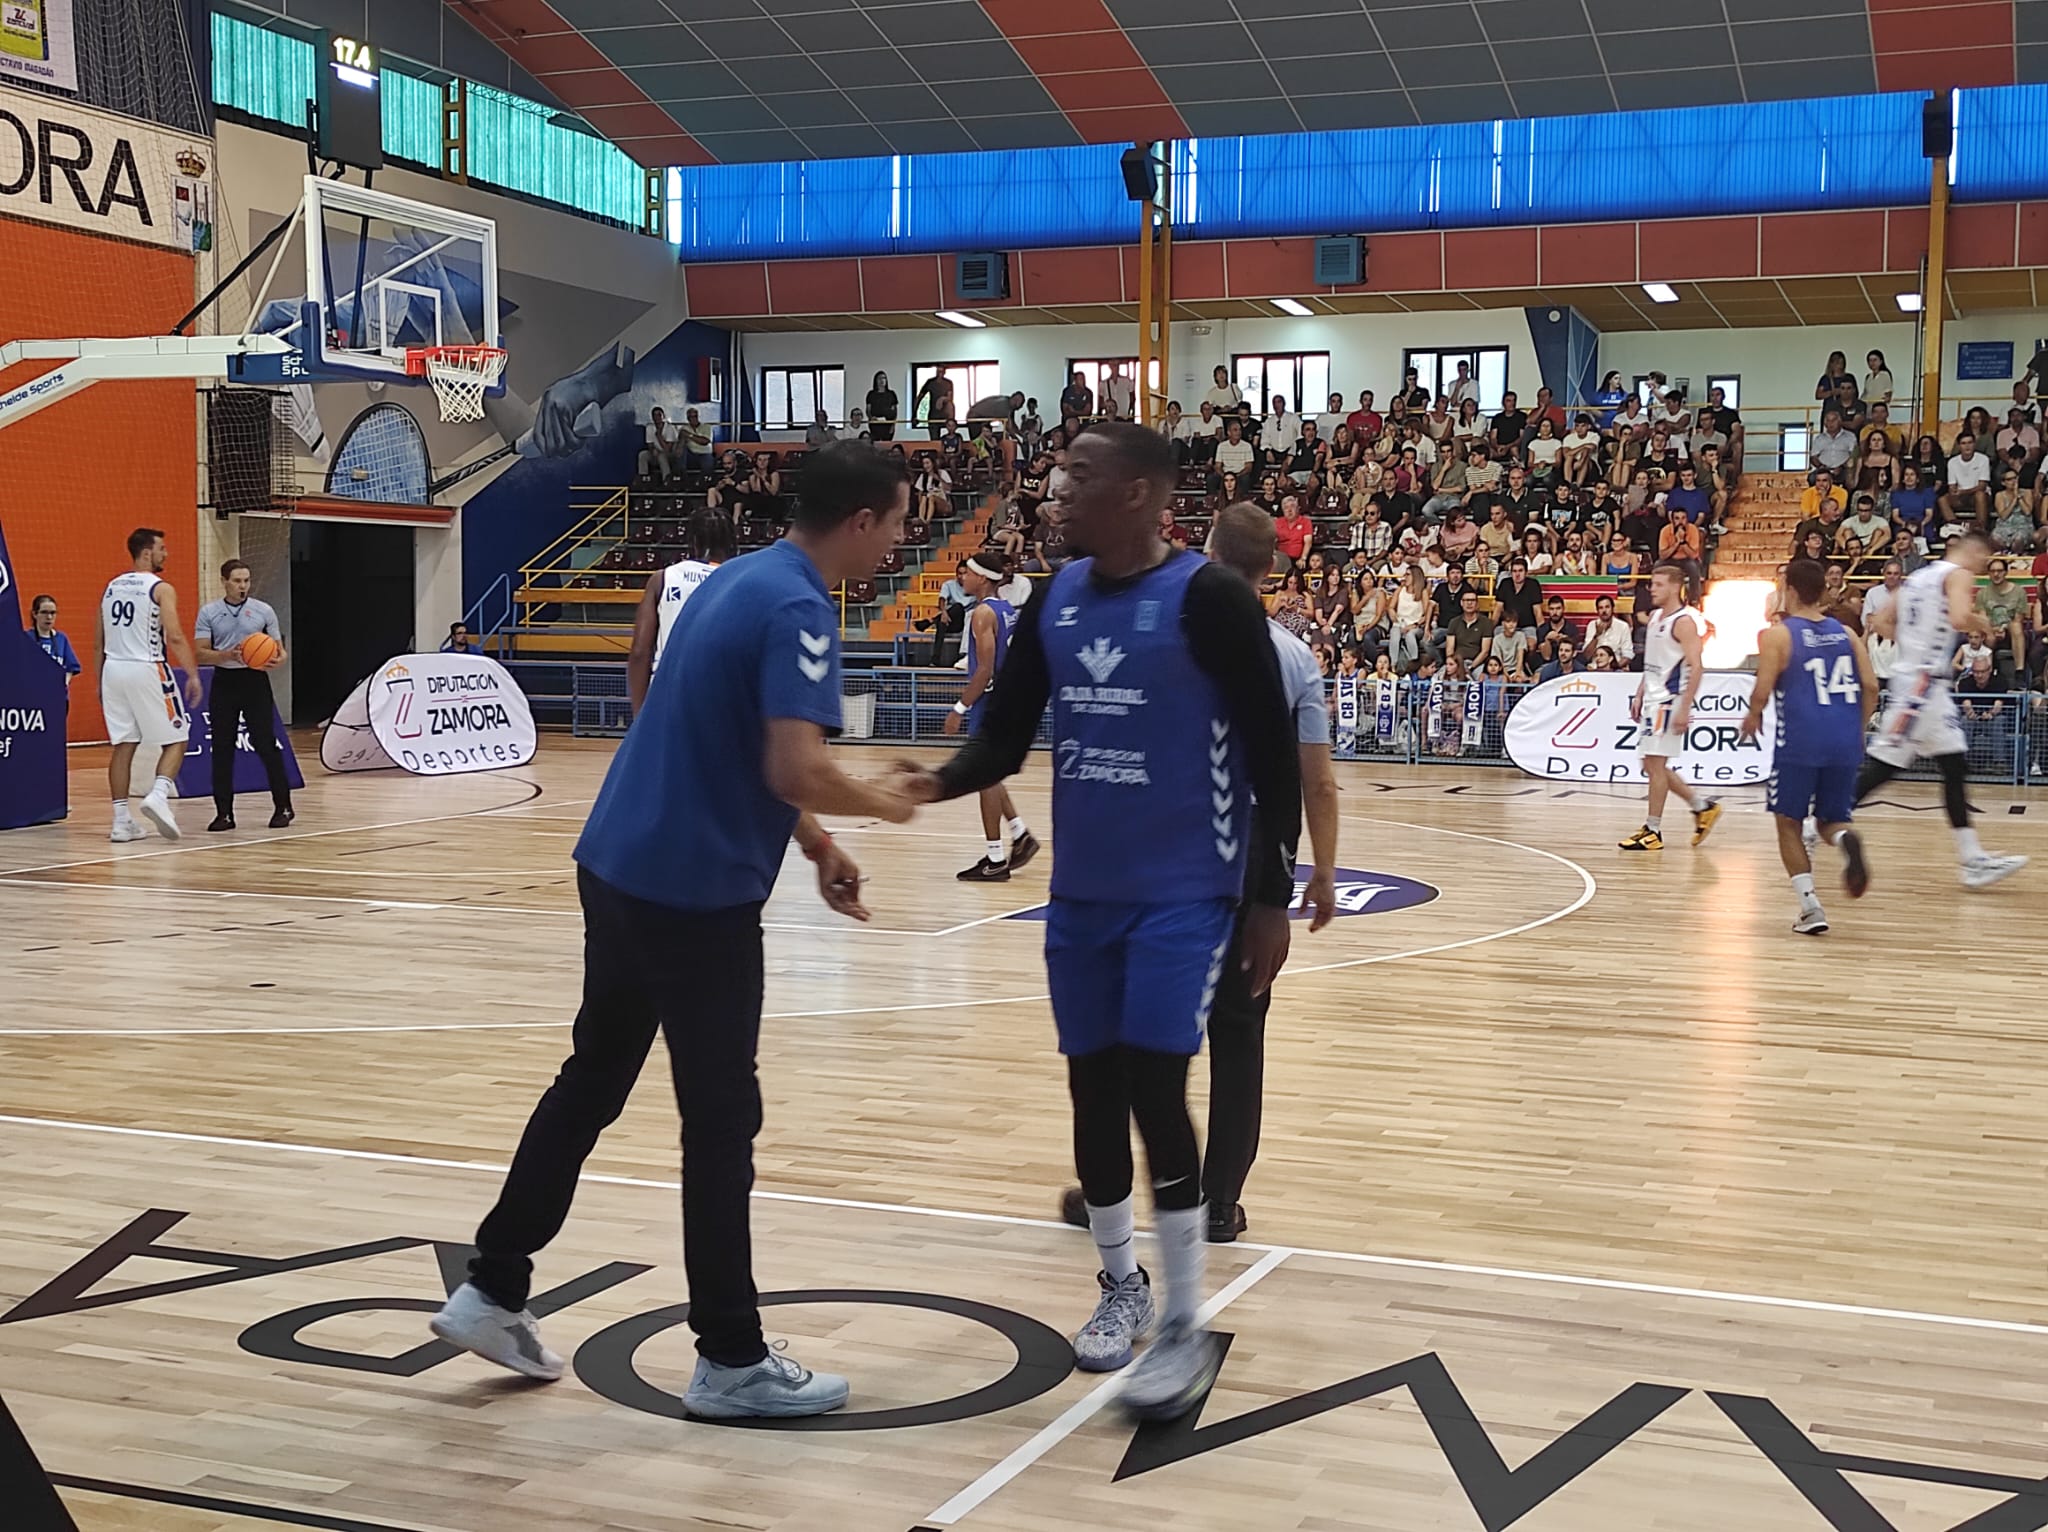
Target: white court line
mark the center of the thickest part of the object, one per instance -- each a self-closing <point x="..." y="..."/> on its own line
<point x="557" y="873"/>
<point x="1402" y="1263"/>
<point x="1087" y="1406"/>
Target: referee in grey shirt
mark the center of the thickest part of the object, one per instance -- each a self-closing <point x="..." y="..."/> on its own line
<point x="240" y="693"/>
<point x="1245" y="539"/>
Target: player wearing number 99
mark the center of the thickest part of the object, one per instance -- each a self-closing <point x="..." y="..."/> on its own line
<point x="1826" y="694"/>
<point x="138" y="693"/>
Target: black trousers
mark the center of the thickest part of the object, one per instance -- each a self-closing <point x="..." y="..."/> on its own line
<point x="241" y="694"/>
<point x="1237" y="1079"/>
<point x="695" y="976"/>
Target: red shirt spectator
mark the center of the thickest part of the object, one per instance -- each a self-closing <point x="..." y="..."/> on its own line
<point x="1364" y="421"/>
<point x="1294" y="530"/>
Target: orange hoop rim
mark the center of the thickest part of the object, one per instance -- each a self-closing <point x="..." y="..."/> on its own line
<point x="418" y="359"/>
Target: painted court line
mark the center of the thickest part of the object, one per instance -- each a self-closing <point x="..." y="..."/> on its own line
<point x="1404" y="1263"/>
<point x="1088" y="1406"/>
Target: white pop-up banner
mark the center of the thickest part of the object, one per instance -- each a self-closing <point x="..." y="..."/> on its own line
<point x="433" y="715"/>
<point x="1577" y="729"/>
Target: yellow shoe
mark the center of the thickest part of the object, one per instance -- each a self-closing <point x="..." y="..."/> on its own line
<point x="1704" y="820"/>
<point x="1645" y="839"/>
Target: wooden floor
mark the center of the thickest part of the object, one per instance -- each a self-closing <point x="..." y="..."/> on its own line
<point x="1586" y="1166"/>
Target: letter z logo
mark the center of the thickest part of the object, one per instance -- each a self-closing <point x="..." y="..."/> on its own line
<point x="811" y="658"/>
<point x="1572" y="733"/>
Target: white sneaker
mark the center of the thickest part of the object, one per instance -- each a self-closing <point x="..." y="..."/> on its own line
<point x="1988" y="869"/>
<point x="1174" y="1375"/>
<point x="126" y="830"/>
<point x="473" y="1322"/>
<point x="774" y="1388"/>
<point x="157" y="810"/>
<point x="1812" y="920"/>
<point x="1122" y="1316"/>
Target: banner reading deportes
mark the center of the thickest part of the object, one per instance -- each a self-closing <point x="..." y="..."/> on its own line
<point x="1577" y="729"/>
<point x="433" y="715"/>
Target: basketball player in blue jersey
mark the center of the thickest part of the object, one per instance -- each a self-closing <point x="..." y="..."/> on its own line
<point x="988" y="641"/>
<point x="1168" y="714"/>
<point x="1826" y="695"/>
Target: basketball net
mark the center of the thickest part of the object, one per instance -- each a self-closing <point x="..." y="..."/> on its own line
<point x="459" y="375"/>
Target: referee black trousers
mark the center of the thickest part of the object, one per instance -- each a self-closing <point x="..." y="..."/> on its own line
<point x="1237" y="1079"/>
<point x="241" y="694"/>
<point x="696" y="977"/>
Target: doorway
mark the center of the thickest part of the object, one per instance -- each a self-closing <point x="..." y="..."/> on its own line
<point x="352" y="609"/>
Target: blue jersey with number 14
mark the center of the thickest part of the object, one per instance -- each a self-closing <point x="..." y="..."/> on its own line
<point x="1820" y="696"/>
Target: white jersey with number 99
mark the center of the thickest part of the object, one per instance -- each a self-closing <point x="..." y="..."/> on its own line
<point x="131" y="623"/>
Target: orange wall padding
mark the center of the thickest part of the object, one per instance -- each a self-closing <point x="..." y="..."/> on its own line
<point x="76" y="478"/>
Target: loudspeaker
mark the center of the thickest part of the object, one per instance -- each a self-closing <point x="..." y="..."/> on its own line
<point x="1937" y="131"/>
<point x="1141" y="174"/>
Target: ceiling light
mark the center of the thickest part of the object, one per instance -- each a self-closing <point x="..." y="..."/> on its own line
<point x="1661" y="292"/>
<point x="1293" y="306"/>
<point x="965" y="321"/>
<point x="1909" y="303"/>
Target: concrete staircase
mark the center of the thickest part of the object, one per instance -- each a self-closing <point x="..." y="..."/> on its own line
<point x="1760" y="526"/>
<point x="919" y="596"/>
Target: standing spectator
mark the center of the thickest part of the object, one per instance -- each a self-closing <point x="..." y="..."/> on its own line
<point x="658" y="457"/>
<point x="241" y="693"/>
<point x="1119" y="394"/>
<point x="936" y="399"/>
<point x="1969" y="485"/>
<point x="42" y="612"/>
<point x="1224" y="395"/>
<point x="1877" y="382"/>
<point x="882" y="409"/>
<point x="1030" y="430"/>
<point x="1831" y="380"/>
<point x="996" y="408"/>
<point x="1077" y="399"/>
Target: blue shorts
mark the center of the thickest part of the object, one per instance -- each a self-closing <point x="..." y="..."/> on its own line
<point x="1143" y="975"/>
<point x="1827" y="791"/>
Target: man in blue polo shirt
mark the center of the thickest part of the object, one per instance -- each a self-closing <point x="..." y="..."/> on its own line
<point x="724" y="765"/>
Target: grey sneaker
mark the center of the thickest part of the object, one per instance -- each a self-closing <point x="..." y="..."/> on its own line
<point x="1812" y="921"/>
<point x="1174" y="1375"/>
<point x="1121" y="1318"/>
<point x="1989" y="869"/>
<point x="473" y="1322"/>
<point x="773" y="1387"/>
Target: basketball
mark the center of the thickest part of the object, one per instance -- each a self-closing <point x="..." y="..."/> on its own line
<point x="259" y="651"/>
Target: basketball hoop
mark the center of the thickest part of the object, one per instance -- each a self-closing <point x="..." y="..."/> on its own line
<point x="460" y="374"/>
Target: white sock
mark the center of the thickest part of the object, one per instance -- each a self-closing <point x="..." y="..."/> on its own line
<point x="121" y="812"/>
<point x="1655" y="824"/>
<point x="1018" y="830"/>
<point x="163" y="788"/>
<point x="1968" y="847"/>
<point x="1183" y="1259"/>
<point x="998" y="852"/>
<point x="1111" y="1227"/>
<point x="1802" y="885"/>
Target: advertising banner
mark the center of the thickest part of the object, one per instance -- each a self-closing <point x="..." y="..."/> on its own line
<point x="33" y="789"/>
<point x="36" y="42"/>
<point x="195" y="776"/>
<point x="433" y="715"/>
<point x="1577" y="729"/>
<point x="65" y="163"/>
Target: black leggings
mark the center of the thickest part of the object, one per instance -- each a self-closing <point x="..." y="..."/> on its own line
<point x="1110" y="1089"/>
<point x="1955" y="795"/>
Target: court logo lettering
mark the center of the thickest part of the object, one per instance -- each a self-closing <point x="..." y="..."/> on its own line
<point x="1042" y="1360"/>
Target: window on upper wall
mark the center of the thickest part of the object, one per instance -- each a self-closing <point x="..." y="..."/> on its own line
<point x="1730" y="384"/>
<point x="1300" y="377"/>
<point x="792" y="396"/>
<point x="970" y="380"/>
<point x="1095" y="370"/>
<point x="1437" y="371"/>
<point x="1794" y="440"/>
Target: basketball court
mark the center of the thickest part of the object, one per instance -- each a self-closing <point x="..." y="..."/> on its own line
<point x="1590" y="1197"/>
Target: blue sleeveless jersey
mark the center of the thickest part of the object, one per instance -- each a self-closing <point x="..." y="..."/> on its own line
<point x="1006" y="619"/>
<point x="1150" y="802"/>
<point x="1820" y="696"/>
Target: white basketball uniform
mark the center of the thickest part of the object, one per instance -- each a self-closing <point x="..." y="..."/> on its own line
<point x="1664" y="681"/>
<point x="138" y="693"/>
<point x="1920" y="710"/>
<point x="678" y="583"/>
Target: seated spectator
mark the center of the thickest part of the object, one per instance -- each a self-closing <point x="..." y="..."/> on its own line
<point x="1672" y="415"/>
<point x="1608" y="630"/>
<point x="1365" y="421"/>
<point x="1728" y="421"/>
<point x="1663" y="452"/>
<point x="1644" y="529"/>
<point x="1511" y="645"/>
<point x="820" y="432"/>
<point x="1433" y="563"/>
<point x="1372" y="610"/>
<point x="1544" y="451"/>
<point x="1371" y="534"/>
<point x="1409" y="629"/>
<point x="2018" y="444"/>
<point x="1309" y="455"/>
<point x="1545" y="636"/>
<point x="1566" y="662"/>
<point x="2003" y="601"/>
<point x="1689" y="496"/>
<point x="1912" y="502"/>
<point x="1345" y="452"/>
<point x="1980" y="699"/>
<point x="695" y="442"/>
<point x="1520" y="593"/>
<point x="1968" y="498"/>
<point x="1872" y="532"/>
<point x="1279" y="433"/>
<point x="1333" y="415"/>
<point x="932" y="490"/>
<point x="1518" y="496"/>
<point x="1706" y="433"/>
<point x="1833" y="448"/>
<point x="1483" y="479"/>
<point x="1449" y="486"/>
<point x="2012" y="512"/>
<point x="1447" y="600"/>
<point x="658" y="458"/>
<point x="1606" y="659"/>
<point x="1581" y="453"/>
<point x="1932" y="462"/>
<point x="1013" y="533"/>
<point x="1577" y="560"/>
<point x="1535" y="552"/>
<point x="1295" y="532"/>
<point x="1821" y="506"/>
<point x="458" y="641"/>
<point x="1468" y="427"/>
<point x="1558" y="512"/>
<point x="1048" y="549"/>
<point x="1458" y="535"/>
<point x="1504" y="436"/>
<point x="1879" y="418"/>
<point x="1233" y="453"/>
<point x="1198" y="435"/>
<point x="1497" y="532"/>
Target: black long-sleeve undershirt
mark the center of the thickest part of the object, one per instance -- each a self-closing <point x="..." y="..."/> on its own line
<point x="1225" y="629"/>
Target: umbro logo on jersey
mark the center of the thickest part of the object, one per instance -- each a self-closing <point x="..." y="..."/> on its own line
<point x="813" y="664"/>
<point x="1100" y="659"/>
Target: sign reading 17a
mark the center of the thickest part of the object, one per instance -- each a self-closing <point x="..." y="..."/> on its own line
<point x="355" y="55"/>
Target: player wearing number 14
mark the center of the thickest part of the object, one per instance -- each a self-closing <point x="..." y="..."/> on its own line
<point x="1826" y="693"/>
